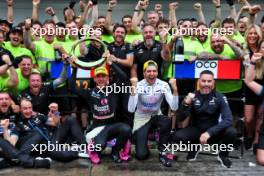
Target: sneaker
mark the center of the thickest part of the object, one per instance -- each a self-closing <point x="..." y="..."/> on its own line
<point x="248" y="143"/>
<point x="164" y="160"/>
<point x="225" y="161"/>
<point x="83" y="155"/>
<point x="192" y="155"/>
<point x="42" y="163"/>
<point x="115" y="156"/>
<point x="255" y="147"/>
<point x="124" y="154"/>
<point x="94" y="157"/>
<point x="4" y="164"/>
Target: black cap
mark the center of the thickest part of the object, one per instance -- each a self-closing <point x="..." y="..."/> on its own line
<point x="17" y="29"/>
<point x="4" y="21"/>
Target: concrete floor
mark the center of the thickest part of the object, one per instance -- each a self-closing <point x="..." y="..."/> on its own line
<point x="204" y="165"/>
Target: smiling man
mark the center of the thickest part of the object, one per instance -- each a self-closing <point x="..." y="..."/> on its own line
<point x="146" y="102"/>
<point x="205" y="107"/>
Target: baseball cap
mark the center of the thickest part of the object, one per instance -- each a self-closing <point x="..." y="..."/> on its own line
<point x="4" y="21"/>
<point x="17" y="29"/>
<point x="149" y="63"/>
<point x="100" y="70"/>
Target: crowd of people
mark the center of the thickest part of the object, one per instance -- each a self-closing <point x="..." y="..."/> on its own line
<point x="38" y="108"/>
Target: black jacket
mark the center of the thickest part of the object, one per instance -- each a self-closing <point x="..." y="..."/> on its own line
<point x="205" y="112"/>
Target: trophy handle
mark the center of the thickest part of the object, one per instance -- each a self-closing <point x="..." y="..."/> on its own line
<point x="88" y="65"/>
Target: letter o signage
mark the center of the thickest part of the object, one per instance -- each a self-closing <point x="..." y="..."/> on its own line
<point x="206" y="64"/>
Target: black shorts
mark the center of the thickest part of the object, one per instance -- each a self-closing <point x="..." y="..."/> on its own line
<point x="261" y="137"/>
<point x="251" y="98"/>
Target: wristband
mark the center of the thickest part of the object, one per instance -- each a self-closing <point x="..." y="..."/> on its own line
<point x="218" y="6"/>
<point x="142" y="9"/>
<point x="253" y="63"/>
<point x="136" y="10"/>
<point x="53" y="14"/>
<point x="10" y="65"/>
<point x="109" y="10"/>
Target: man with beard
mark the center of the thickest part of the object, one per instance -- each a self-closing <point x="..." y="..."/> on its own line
<point x="10" y="137"/>
<point x="15" y="45"/>
<point x="145" y="100"/>
<point x="23" y="72"/>
<point x="38" y="93"/>
<point x="222" y="48"/>
<point x="150" y="49"/>
<point x="44" y="50"/>
<point x="121" y="54"/>
<point x="205" y="107"/>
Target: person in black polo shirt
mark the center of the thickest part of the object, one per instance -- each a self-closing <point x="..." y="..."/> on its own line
<point x="150" y="49"/>
<point x="38" y="93"/>
<point x="14" y="149"/>
<point x="122" y="54"/>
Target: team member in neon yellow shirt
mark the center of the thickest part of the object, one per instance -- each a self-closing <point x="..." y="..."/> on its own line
<point x="15" y="45"/>
<point x="23" y="72"/>
<point x="44" y="50"/>
<point x="234" y="35"/>
<point x="223" y="48"/>
<point x="9" y="78"/>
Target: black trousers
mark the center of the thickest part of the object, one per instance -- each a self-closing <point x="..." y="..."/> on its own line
<point x="69" y="128"/>
<point x="193" y="134"/>
<point x="21" y="153"/>
<point x="120" y="131"/>
<point x="141" y="135"/>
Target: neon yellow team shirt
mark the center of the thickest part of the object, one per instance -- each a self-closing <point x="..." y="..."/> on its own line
<point x="19" y="51"/>
<point x="168" y="73"/>
<point x="130" y="38"/>
<point x="108" y="38"/>
<point x="44" y="53"/>
<point x="23" y="83"/>
<point x="67" y="45"/>
<point x="192" y="47"/>
<point x="3" y="83"/>
<point x="226" y="86"/>
<point x="239" y="38"/>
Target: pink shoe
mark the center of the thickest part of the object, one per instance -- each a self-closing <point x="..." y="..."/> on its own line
<point x="170" y="156"/>
<point x="124" y="154"/>
<point x="92" y="154"/>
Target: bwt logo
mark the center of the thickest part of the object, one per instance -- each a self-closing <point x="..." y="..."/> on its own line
<point x="206" y="64"/>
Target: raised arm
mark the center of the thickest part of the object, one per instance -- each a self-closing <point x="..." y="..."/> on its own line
<point x="232" y="6"/>
<point x="138" y="15"/>
<point x="7" y="136"/>
<point x="13" y="78"/>
<point x="27" y="36"/>
<point x="35" y="4"/>
<point x="85" y="13"/>
<point x="252" y="12"/>
<point x="218" y="15"/>
<point x="199" y="10"/>
<point x="243" y="9"/>
<point x="172" y="14"/>
<point x="64" y="73"/>
<point x="10" y="11"/>
<point x="251" y="72"/>
<point x="94" y="15"/>
<point x="108" y="22"/>
<point x="50" y="11"/>
<point x="237" y="50"/>
<point x="133" y="98"/>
